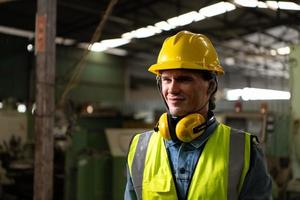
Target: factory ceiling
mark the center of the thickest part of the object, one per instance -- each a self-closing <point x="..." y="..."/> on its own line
<point x="247" y="38"/>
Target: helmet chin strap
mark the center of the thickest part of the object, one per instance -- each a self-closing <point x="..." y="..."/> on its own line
<point x="158" y="84"/>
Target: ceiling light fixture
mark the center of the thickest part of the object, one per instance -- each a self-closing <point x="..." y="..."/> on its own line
<point x="285" y="5"/>
<point x="284" y="50"/>
<point x="247" y="94"/>
<point x="172" y="23"/>
<point x="181" y="20"/>
<point x="217" y="9"/>
<point x="163" y="25"/>
<point x="262" y="4"/>
<point x="108" y="44"/>
<point x="97" y="47"/>
<point x="111" y="43"/>
<point x="142" y="32"/>
<point x="272" y="5"/>
<point x="247" y="3"/>
<point x="185" y="19"/>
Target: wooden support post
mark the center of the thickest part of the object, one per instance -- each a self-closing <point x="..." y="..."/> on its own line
<point x="45" y="34"/>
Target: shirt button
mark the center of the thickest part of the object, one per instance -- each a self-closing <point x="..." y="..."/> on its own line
<point x="182" y="170"/>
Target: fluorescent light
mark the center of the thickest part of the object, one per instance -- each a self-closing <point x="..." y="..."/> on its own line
<point x="111" y="43"/>
<point x="144" y="32"/>
<point x="183" y="19"/>
<point x="108" y="44"/>
<point x="285" y="5"/>
<point x="198" y="17"/>
<point x="154" y="29"/>
<point x="217" y="9"/>
<point x="21" y="108"/>
<point x="247" y="3"/>
<point x="163" y="25"/>
<point x="284" y="50"/>
<point x="97" y="47"/>
<point x="256" y="94"/>
<point x="128" y="35"/>
<point x="232" y="95"/>
<point x="262" y="4"/>
<point x="272" y="5"/>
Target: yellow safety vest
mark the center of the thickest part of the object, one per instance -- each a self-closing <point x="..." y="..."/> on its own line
<point x="219" y="173"/>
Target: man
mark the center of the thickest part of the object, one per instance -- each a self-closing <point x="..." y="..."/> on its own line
<point x="190" y="155"/>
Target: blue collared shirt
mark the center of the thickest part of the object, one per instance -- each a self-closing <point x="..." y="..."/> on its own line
<point x="184" y="156"/>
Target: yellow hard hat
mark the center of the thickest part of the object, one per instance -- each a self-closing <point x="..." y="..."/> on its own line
<point x="187" y="50"/>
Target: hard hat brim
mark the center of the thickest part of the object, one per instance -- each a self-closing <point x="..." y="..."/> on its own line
<point x="156" y="68"/>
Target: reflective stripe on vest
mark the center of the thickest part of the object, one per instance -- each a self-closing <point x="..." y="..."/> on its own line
<point x="138" y="161"/>
<point x="230" y="183"/>
<point x="236" y="162"/>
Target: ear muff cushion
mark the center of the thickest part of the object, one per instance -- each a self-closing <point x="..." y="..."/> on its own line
<point x="163" y="126"/>
<point x="184" y="128"/>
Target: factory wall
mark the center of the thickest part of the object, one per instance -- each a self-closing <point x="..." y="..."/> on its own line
<point x="101" y="81"/>
<point x="15" y="67"/>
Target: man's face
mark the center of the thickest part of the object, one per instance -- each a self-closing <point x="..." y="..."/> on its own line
<point x="185" y="92"/>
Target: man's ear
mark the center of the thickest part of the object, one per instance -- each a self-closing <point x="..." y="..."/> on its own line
<point x="211" y="87"/>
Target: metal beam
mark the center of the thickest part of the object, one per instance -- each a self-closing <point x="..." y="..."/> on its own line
<point x="45" y="82"/>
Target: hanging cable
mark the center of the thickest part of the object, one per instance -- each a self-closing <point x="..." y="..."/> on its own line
<point x="79" y="67"/>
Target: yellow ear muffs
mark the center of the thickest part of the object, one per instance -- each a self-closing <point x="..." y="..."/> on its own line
<point x="185" y="127"/>
<point x="163" y="126"/>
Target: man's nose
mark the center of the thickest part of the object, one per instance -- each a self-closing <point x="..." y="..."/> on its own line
<point x="174" y="87"/>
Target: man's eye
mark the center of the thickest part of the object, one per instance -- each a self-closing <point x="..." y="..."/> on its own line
<point x="166" y="80"/>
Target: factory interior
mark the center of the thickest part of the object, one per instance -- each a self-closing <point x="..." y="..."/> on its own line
<point x="75" y="87"/>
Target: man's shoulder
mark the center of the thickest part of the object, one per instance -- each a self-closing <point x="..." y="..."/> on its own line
<point x="142" y="134"/>
<point x="253" y="138"/>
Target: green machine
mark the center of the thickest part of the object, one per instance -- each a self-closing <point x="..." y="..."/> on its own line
<point x="91" y="170"/>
